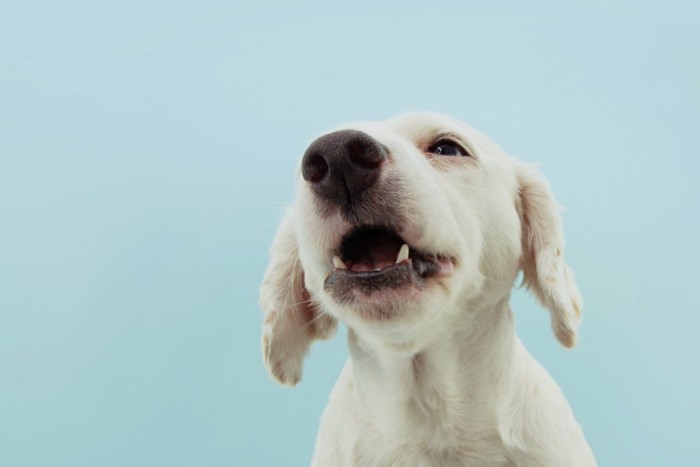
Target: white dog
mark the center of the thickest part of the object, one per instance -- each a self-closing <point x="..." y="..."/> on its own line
<point x="412" y="232"/>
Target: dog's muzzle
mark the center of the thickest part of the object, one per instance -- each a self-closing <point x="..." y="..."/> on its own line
<point x="343" y="170"/>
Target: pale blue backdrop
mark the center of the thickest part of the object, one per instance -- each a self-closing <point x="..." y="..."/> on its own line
<point x="147" y="150"/>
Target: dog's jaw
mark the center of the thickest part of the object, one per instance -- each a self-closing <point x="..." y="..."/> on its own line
<point x="374" y="265"/>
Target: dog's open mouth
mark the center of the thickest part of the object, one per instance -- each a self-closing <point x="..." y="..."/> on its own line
<point x="372" y="258"/>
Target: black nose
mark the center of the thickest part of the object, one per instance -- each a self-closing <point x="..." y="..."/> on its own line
<point x="340" y="166"/>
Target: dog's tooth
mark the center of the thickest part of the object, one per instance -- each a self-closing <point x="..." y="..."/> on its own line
<point x="338" y="263"/>
<point x="403" y="253"/>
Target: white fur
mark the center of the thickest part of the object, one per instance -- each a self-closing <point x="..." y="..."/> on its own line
<point x="446" y="382"/>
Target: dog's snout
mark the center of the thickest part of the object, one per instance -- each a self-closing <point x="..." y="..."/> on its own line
<point x="341" y="165"/>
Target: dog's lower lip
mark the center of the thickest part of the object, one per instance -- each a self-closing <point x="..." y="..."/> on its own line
<point x="408" y="273"/>
<point x="439" y="265"/>
<point x="396" y="276"/>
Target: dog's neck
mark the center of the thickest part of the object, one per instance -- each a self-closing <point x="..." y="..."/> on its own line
<point x="449" y="384"/>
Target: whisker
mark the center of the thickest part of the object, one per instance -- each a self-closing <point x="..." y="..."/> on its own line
<point x="294" y="305"/>
<point x="311" y="322"/>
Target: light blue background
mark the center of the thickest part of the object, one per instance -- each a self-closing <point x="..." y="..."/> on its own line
<point x="147" y="151"/>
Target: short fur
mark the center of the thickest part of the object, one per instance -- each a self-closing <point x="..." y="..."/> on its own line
<point x="436" y="375"/>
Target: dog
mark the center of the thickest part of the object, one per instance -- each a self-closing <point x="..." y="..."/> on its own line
<point x="412" y="231"/>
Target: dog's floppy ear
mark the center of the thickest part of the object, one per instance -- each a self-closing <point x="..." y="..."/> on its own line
<point x="292" y="321"/>
<point x="544" y="271"/>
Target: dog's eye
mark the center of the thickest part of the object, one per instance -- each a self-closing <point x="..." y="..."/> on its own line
<point x="447" y="148"/>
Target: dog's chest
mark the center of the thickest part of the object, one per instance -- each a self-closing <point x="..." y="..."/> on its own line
<point x="372" y="449"/>
<point x="414" y="437"/>
<point x="416" y="428"/>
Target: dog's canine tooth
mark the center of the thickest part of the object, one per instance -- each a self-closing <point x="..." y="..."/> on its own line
<point x="338" y="263"/>
<point x="403" y="253"/>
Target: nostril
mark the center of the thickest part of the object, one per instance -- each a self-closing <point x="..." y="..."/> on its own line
<point x="315" y="168"/>
<point x="363" y="155"/>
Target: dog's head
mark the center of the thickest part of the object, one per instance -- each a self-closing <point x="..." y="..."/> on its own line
<point x="402" y="226"/>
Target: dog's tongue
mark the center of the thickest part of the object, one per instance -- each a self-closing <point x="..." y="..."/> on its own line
<point x="380" y="252"/>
